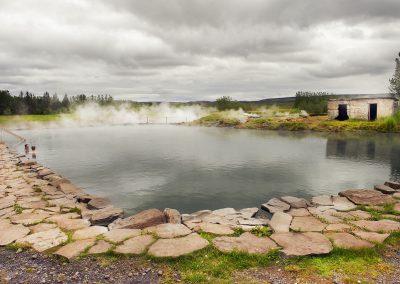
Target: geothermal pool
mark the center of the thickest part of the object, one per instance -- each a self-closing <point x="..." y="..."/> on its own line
<point x="192" y="168"/>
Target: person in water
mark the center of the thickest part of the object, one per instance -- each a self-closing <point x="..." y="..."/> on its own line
<point x="26" y="149"/>
<point x="33" y="152"/>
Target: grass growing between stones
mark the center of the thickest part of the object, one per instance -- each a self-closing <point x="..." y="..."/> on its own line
<point x="212" y="266"/>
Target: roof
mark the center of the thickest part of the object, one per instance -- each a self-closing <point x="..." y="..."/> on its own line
<point x="364" y="98"/>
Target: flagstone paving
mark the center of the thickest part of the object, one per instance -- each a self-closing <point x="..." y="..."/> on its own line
<point x="40" y="209"/>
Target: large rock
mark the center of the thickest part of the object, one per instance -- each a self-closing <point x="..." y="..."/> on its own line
<point x="280" y="222"/>
<point x="342" y="204"/>
<point x="216" y="229"/>
<point x="169" y="230"/>
<point x="247" y="242"/>
<point x="248" y="213"/>
<point x="367" y="197"/>
<point x="11" y="233"/>
<point x="7" y="201"/>
<point x="224" y="211"/>
<point x="144" y="219"/>
<point x="136" y="245"/>
<point x="392" y="184"/>
<point x="298" y="244"/>
<point x="69" y="189"/>
<point x="322" y="200"/>
<point x="103" y="217"/>
<point x="384" y="189"/>
<point x="177" y="247"/>
<point x="74" y="249"/>
<point x="172" y="216"/>
<point x="44" y="240"/>
<point x="275" y="205"/>
<point x="89" y="232"/>
<point x="119" y="235"/>
<point x="307" y="224"/>
<point x="371" y="236"/>
<point x="98" y="203"/>
<point x="295" y="202"/>
<point x="386" y="226"/>
<point x="348" y="241"/>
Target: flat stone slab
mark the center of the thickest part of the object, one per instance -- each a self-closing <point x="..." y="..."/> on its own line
<point x="12" y="233"/>
<point x="42" y="227"/>
<point x="89" y="232"/>
<point x="44" y="240"/>
<point x="136" y="245"/>
<point x="300" y="212"/>
<point x="367" y="197"/>
<point x="98" y="203"/>
<point x="392" y="184"/>
<point x="397" y="207"/>
<point x="100" y="247"/>
<point x="298" y="244"/>
<point x="58" y="217"/>
<point x="247" y="242"/>
<point x="224" y="211"/>
<point x="384" y="189"/>
<point x="295" y="202"/>
<point x="248" y="213"/>
<point x="72" y="224"/>
<point x="177" y="247"/>
<point x="29" y="218"/>
<point x="69" y="189"/>
<point x="275" y="205"/>
<point x="104" y="216"/>
<point x="307" y="224"/>
<point x="216" y="229"/>
<point x="280" y="222"/>
<point x="342" y="204"/>
<point x="253" y="222"/>
<point x="7" y="201"/>
<point x="119" y="235"/>
<point x="348" y="241"/>
<point x="169" y="230"/>
<point x="386" y="226"/>
<point x="144" y="219"/>
<point x="74" y="249"/>
<point x="322" y="200"/>
<point x="371" y="236"/>
<point x="337" y="228"/>
<point x="359" y="214"/>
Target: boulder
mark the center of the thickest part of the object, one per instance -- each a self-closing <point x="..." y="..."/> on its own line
<point x="384" y="189"/>
<point x="386" y="226"/>
<point x="248" y="213"/>
<point x="172" y="216"/>
<point x="119" y="235"/>
<point x="371" y="236"/>
<point x="98" y="203"/>
<point x="69" y="189"/>
<point x="396" y="195"/>
<point x="322" y="200"/>
<point x="177" y="247"/>
<point x="105" y="216"/>
<point x="367" y="197"/>
<point x="298" y="244"/>
<point x="100" y="247"/>
<point x="136" y="245"/>
<point x="44" y="172"/>
<point x="392" y="184"/>
<point x="247" y="243"/>
<point x="89" y="232"/>
<point x="295" y="202"/>
<point x="348" y="241"/>
<point x="307" y="224"/>
<point x="275" y="205"/>
<point x="10" y="233"/>
<point x="169" y="230"/>
<point x="342" y="204"/>
<point x="44" y="240"/>
<point x="74" y="249"/>
<point x="144" y="219"/>
<point x="215" y="229"/>
<point x="280" y="222"/>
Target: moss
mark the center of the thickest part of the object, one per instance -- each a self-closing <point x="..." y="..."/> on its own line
<point x="18" y="208"/>
<point x="261" y="231"/>
<point x="75" y="210"/>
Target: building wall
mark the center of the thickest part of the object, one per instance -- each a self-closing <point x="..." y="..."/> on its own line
<point x="359" y="108"/>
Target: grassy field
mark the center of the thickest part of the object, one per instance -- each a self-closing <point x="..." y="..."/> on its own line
<point x="14" y="119"/>
<point x="315" y="123"/>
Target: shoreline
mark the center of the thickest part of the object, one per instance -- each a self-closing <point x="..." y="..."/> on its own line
<point x="44" y="211"/>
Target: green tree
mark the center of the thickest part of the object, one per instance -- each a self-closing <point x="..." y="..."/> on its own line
<point x="225" y="102"/>
<point x="394" y="86"/>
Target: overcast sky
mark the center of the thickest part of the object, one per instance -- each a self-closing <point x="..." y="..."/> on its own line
<point x="198" y="49"/>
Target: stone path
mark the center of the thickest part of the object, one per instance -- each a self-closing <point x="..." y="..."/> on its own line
<point x="46" y="212"/>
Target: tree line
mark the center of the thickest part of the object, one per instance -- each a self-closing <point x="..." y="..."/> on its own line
<point x="29" y="103"/>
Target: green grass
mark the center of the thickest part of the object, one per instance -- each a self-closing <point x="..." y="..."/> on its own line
<point x="18" y="208"/>
<point x="10" y="119"/>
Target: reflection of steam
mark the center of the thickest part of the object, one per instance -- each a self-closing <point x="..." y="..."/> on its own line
<point x="94" y="114"/>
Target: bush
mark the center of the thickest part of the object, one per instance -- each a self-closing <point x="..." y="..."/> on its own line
<point x="315" y="103"/>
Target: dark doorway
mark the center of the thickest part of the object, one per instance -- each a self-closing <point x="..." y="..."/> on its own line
<point x="342" y="109"/>
<point x="373" y="110"/>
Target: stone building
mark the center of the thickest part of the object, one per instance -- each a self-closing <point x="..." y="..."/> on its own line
<point x="367" y="108"/>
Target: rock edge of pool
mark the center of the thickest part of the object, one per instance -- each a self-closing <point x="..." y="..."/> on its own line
<point x="44" y="211"/>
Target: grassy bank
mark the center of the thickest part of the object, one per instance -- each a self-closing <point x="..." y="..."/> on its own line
<point x="315" y="123"/>
<point x="18" y="119"/>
